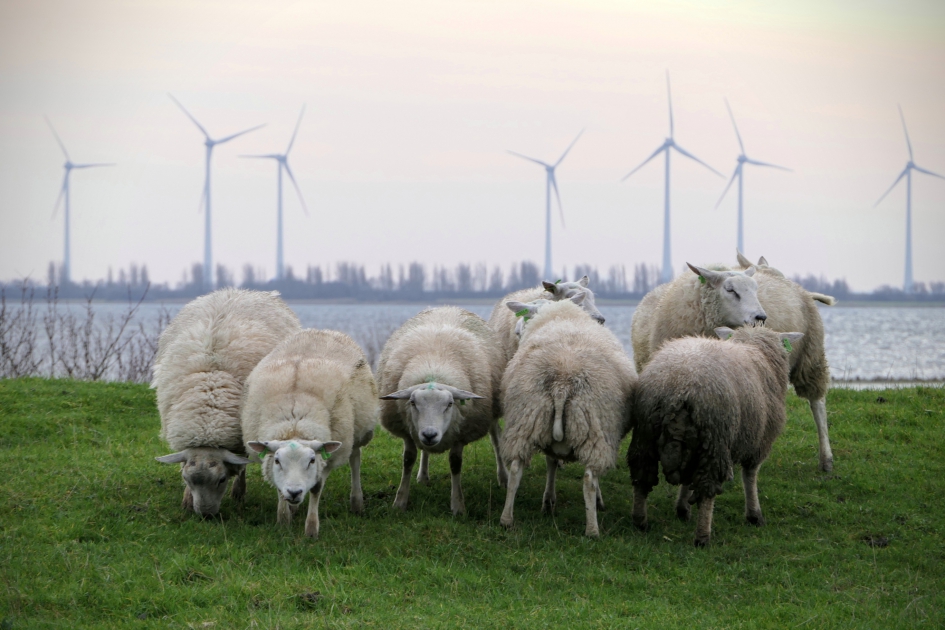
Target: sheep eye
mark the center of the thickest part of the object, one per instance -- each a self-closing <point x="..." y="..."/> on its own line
<point x="277" y="462"/>
<point x="221" y="482"/>
<point x="449" y="404"/>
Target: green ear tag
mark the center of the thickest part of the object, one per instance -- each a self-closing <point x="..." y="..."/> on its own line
<point x="521" y="313"/>
<point x="558" y="281"/>
<point x="730" y="335"/>
<point x="262" y="455"/>
<point x="325" y="454"/>
<point x="462" y="401"/>
<point x="787" y="344"/>
<point x="701" y="279"/>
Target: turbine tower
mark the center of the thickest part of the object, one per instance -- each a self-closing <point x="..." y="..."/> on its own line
<point x="550" y="182"/>
<point x="66" y="276"/>
<point x="669" y="144"/>
<point x="907" y="173"/>
<point x="282" y="163"/>
<point x="210" y="143"/>
<point x="742" y="160"/>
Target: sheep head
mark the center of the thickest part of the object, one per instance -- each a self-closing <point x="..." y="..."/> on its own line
<point x="524" y="311"/>
<point x="297" y="465"/>
<point x="730" y="298"/>
<point x="205" y="471"/>
<point x="567" y="290"/>
<point x="431" y="408"/>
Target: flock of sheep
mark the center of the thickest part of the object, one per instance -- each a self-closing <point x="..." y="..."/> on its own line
<point x="239" y="381"/>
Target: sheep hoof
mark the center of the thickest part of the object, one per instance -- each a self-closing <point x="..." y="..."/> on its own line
<point x="548" y="505"/>
<point x="400" y="505"/>
<point x="683" y="513"/>
<point x="592" y="532"/>
<point x="702" y="541"/>
<point x="826" y="465"/>
<point x="755" y="519"/>
<point x="506" y="523"/>
<point x="423" y="479"/>
<point x="311" y="532"/>
<point x="643" y="526"/>
<point x="357" y="505"/>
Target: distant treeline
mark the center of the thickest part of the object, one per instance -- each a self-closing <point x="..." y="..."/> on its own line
<point x="417" y="282"/>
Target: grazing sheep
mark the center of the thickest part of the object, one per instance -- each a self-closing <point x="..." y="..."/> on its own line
<point x="442" y="370"/>
<point x="508" y="328"/>
<point x="312" y="396"/>
<point x="203" y="359"/>
<point x="702" y="405"/>
<point x="566" y="393"/>
<point x="684" y="310"/>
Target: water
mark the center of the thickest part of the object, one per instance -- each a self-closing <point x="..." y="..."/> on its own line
<point x="862" y="343"/>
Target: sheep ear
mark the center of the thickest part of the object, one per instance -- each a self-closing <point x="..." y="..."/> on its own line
<point x="261" y="447"/>
<point x="584" y="281"/>
<point x="549" y="286"/>
<point x="329" y="447"/>
<point x="578" y="298"/>
<point x="762" y="261"/>
<point x="461" y="394"/>
<point x="402" y="394"/>
<point x="713" y="278"/>
<point x="233" y="458"/>
<point x="724" y="332"/>
<point x="742" y="261"/>
<point x="173" y="458"/>
<point x="750" y="271"/>
<point x="792" y="337"/>
<point x="515" y="307"/>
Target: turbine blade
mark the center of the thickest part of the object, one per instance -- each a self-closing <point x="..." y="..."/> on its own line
<point x="737" y="135"/>
<point x="759" y="163"/>
<point x="662" y="148"/>
<point x="61" y="145"/>
<point x="237" y="135"/>
<point x="908" y="144"/>
<point x="299" y="122"/>
<point x="297" y="189"/>
<point x="554" y="184"/>
<point x="194" y="120"/>
<point x="692" y="157"/>
<point x="729" y="185"/>
<point x="669" y="95"/>
<point x="530" y="159"/>
<point x="270" y="156"/>
<point x="901" y="175"/>
<point x="569" y="148"/>
<point x="62" y="192"/>
<point x="922" y="170"/>
<point x="92" y="165"/>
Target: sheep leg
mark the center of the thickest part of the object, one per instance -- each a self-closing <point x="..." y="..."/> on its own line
<point x="590" y="504"/>
<point x="187" y="504"/>
<point x="549" y="500"/>
<point x="704" y="522"/>
<point x="501" y="473"/>
<point x="238" y="491"/>
<point x="515" y="478"/>
<point x="457" y="504"/>
<point x="357" y="496"/>
<point x="423" y="475"/>
<point x="639" y="509"/>
<point x="403" y="492"/>
<point x="311" y="520"/>
<point x="683" y="511"/>
<point x="752" y="506"/>
<point x="819" y="409"/>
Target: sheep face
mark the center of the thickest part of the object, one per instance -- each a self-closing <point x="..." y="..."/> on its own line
<point x="733" y="297"/>
<point x="431" y="407"/>
<point x="206" y="471"/>
<point x="567" y="290"/>
<point x="297" y="466"/>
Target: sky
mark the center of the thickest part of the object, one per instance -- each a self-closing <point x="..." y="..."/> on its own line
<point x="412" y="106"/>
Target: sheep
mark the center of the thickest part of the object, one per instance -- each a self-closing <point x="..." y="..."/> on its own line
<point x="437" y="358"/>
<point x="701" y="405"/>
<point x="566" y="393"/>
<point x="311" y="405"/>
<point x="744" y="263"/>
<point x="687" y="307"/>
<point x="508" y="328"/>
<point x="204" y="356"/>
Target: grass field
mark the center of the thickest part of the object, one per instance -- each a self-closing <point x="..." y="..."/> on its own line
<point x="92" y="535"/>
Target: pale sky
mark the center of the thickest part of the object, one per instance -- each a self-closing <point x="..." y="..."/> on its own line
<point x="411" y="107"/>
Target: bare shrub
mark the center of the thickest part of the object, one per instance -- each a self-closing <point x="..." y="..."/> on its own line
<point x="18" y="335"/>
<point x="135" y="362"/>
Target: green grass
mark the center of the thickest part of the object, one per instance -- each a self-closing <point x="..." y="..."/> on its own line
<point x="92" y="535"/>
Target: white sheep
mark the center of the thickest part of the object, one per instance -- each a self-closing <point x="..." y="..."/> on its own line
<point x="688" y="307"/>
<point x="204" y="356"/>
<point x="702" y="405"/>
<point x="311" y="405"/>
<point x="508" y="328"/>
<point x="440" y="375"/>
<point x="566" y="393"/>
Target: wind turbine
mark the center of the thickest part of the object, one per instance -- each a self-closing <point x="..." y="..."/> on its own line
<point x="907" y="173"/>
<point x="282" y="163"/>
<point x="210" y="143"/>
<point x="550" y="182"/>
<point x="670" y="143"/>
<point x="66" y="276"/>
<point x="742" y="160"/>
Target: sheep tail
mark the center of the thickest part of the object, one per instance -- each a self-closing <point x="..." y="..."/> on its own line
<point x="679" y="445"/>
<point x="826" y="299"/>
<point x="557" y="429"/>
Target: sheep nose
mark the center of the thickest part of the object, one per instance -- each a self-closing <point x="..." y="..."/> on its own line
<point x="600" y="319"/>
<point x="294" y="496"/>
<point x="760" y="318"/>
<point x="429" y="434"/>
